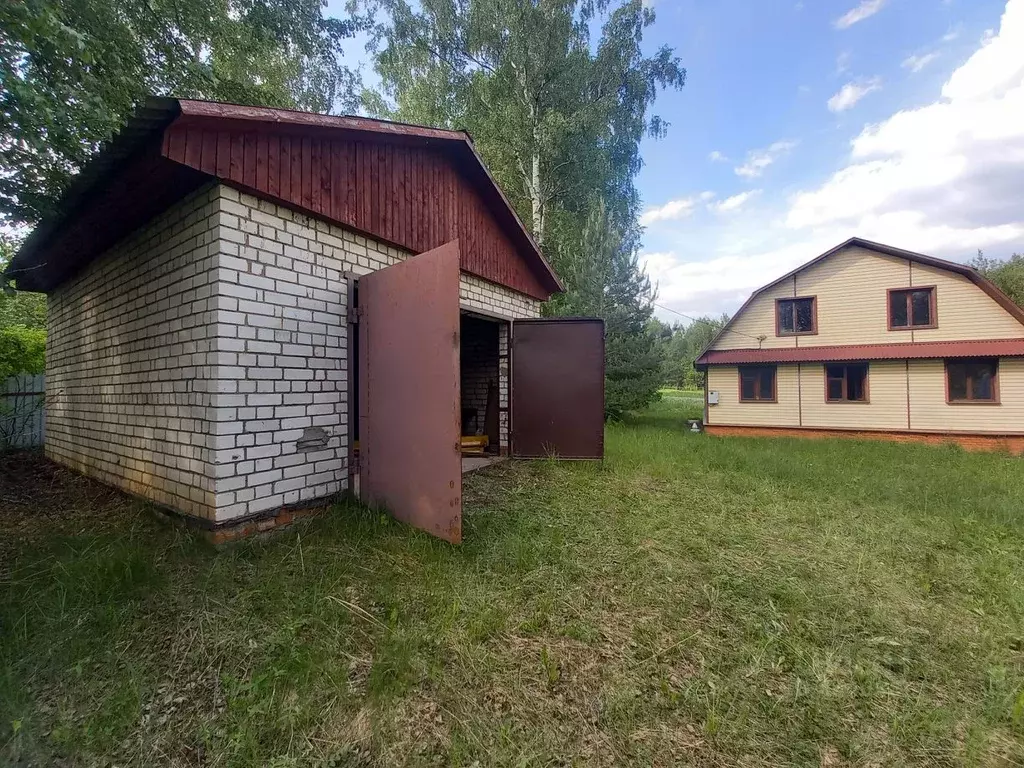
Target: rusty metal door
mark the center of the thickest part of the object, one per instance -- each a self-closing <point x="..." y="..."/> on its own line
<point x="558" y="388"/>
<point x="409" y="455"/>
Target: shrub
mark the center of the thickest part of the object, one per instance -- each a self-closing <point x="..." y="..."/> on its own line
<point x="22" y="350"/>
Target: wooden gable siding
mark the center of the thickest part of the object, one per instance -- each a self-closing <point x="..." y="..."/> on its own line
<point x="410" y="196"/>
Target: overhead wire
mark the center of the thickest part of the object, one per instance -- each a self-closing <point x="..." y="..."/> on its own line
<point x="694" y="320"/>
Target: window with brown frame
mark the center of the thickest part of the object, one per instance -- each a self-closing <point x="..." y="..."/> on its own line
<point x="972" y="381"/>
<point x="757" y="383"/>
<point x="912" y="308"/>
<point x="794" y="317"/>
<point x="846" y="383"/>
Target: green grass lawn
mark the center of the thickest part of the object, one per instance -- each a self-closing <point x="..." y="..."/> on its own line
<point x="693" y="600"/>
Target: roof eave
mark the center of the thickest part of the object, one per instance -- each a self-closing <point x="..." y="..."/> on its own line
<point x="154" y="115"/>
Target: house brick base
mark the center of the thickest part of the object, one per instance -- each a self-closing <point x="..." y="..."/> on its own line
<point x="250" y="526"/>
<point x="1013" y="444"/>
<point x="282" y="518"/>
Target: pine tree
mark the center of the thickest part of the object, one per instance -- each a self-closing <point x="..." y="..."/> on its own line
<point x="605" y="280"/>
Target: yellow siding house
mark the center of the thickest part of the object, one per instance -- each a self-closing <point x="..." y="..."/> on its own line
<point x="872" y="341"/>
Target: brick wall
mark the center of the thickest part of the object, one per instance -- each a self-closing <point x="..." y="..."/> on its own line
<point x="281" y="411"/>
<point x="970" y="442"/>
<point x="203" y="362"/>
<point x="129" y="361"/>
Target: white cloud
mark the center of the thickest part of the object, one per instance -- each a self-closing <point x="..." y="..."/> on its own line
<point x="758" y="160"/>
<point x="721" y="284"/>
<point x="847" y="96"/>
<point x="735" y="202"/>
<point x="674" y="209"/>
<point x="865" y="9"/>
<point x="951" y="35"/>
<point x="946" y="175"/>
<point x="915" y="62"/>
<point x="717" y="157"/>
<point x="944" y="178"/>
<point x="843" y="62"/>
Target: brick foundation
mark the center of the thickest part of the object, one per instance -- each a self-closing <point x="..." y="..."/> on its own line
<point x="1013" y="444"/>
<point x="282" y="518"/>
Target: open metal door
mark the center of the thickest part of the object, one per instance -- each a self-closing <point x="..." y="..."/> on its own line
<point x="409" y="455"/>
<point x="558" y="388"/>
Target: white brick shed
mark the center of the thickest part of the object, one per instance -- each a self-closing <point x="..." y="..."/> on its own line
<point x="202" y="276"/>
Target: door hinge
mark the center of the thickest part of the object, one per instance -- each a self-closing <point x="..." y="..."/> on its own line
<point x="354" y="313"/>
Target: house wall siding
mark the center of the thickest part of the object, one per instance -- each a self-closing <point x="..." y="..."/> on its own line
<point x="964" y="310"/>
<point x="886" y="408"/>
<point x="930" y="411"/>
<point x="724" y="379"/>
<point x="130" y="361"/>
<point x="889" y="382"/>
<point x="851" y="288"/>
<point x="754" y="328"/>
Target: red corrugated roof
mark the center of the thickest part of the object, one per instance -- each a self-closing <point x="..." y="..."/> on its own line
<point x="902" y="351"/>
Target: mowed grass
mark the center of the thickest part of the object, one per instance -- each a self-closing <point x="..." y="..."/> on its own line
<point x="693" y="600"/>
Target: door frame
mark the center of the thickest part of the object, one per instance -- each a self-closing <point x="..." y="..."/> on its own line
<point x="352" y="329"/>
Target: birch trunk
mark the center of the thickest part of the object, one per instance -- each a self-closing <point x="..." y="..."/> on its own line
<point x="536" y="198"/>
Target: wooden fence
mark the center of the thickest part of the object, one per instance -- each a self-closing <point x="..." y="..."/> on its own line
<point x="22" y="421"/>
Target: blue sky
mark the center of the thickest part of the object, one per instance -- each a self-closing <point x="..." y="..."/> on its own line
<point x="805" y="122"/>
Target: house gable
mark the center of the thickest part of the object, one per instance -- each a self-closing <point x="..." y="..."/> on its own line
<point x="850" y="284"/>
<point x="413" y="191"/>
<point x="412" y="187"/>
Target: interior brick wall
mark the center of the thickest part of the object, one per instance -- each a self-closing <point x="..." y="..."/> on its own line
<point x="479" y="363"/>
<point x="130" y="361"/>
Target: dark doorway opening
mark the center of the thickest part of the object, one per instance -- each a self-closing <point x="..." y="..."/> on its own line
<point x="480" y="385"/>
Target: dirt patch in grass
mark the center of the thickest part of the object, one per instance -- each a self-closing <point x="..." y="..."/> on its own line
<point x="40" y="499"/>
<point x="37" y="490"/>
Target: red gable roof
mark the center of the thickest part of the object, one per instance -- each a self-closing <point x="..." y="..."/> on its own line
<point x="411" y="186"/>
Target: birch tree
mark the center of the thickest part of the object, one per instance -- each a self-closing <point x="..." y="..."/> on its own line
<point x="558" y="113"/>
<point x="557" y="116"/>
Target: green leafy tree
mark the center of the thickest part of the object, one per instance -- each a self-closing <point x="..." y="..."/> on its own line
<point x="22" y="350"/>
<point x="558" y="113"/>
<point x="681" y="346"/>
<point x="1008" y="274"/>
<point x="73" y="70"/>
<point x="556" y="118"/>
<point x="18" y="308"/>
